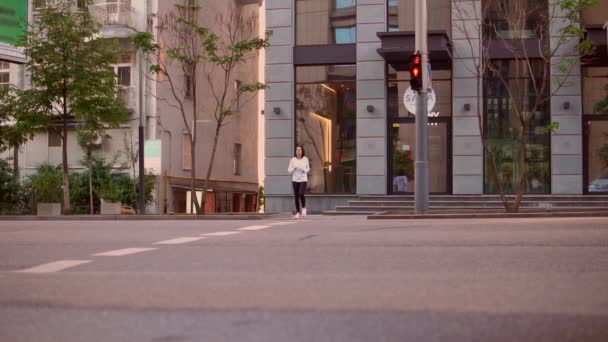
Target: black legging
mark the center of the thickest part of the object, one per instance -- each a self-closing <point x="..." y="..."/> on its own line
<point x="298" y="192"/>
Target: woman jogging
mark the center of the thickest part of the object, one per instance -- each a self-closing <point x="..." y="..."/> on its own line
<point x="299" y="168"/>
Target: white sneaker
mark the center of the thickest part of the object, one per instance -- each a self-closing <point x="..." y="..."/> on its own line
<point x="303" y="211"/>
<point x="296" y="216"/>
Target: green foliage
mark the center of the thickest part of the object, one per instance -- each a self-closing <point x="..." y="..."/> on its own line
<point x="262" y="197"/>
<point x="403" y="164"/>
<point x="572" y="11"/>
<point x="47" y="183"/>
<point x="9" y="188"/>
<point x="603" y="151"/>
<point x="129" y="189"/>
<point x="110" y="192"/>
<point x="552" y="127"/>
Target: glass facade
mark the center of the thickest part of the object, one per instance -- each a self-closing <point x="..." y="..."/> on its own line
<point x="509" y="91"/>
<point x="401" y="15"/>
<point x="595" y="108"/>
<point x="516" y="19"/>
<point x="326" y="126"/>
<point x="323" y="22"/>
<point x="595" y="89"/>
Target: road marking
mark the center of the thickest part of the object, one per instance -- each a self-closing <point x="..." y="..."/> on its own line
<point x="220" y="233"/>
<point x="282" y="223"/>
<point x="179" y="240"/>
<point x="126" y="251"/>
<point x="254" y="228"/>
<point x="55" y="266"/>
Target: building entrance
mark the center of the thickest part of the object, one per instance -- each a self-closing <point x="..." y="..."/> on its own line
<point x="402" y="155"/>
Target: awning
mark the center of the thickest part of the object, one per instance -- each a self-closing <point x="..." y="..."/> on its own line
<point x="397" y="47"/>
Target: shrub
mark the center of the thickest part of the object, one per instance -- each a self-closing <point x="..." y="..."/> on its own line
<point x="47" y="183"/>
<point x="9" y="189"/>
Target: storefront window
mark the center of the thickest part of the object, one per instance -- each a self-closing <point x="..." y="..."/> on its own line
<point x="597" y="156"/>
<point x="401" y="15"/>
<point x="322" y="22"/>
<point x="503" y="125"/>
<point x="399" y="82"/>
<point x="326" y="126"/>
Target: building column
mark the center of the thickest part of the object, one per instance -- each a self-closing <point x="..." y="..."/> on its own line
<point x="467" y="153"/>
<point x="371" y="91"/>
<point x="566" y="143"/>
<point x="279" y="96"/>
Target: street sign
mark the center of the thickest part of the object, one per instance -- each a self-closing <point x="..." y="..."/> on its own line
<point x="409" y="100"/>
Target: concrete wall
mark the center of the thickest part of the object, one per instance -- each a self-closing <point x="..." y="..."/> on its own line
<point x="371" y="91"/>
<point x="467" y="153"/>
<point x="280" y="94"/>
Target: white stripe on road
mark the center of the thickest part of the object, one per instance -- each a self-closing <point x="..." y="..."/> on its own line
<point x="281" y="223"/>
<point x="220" y="233"/>
<point x="179" y="240"/>
<point x="254" y="228"/>
<point x="55" y="266"/>
<point x="126" y="251"/>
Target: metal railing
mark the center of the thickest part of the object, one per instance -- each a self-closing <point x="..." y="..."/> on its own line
<point x="114" y="13"/>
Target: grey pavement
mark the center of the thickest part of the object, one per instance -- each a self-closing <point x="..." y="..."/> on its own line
<point x="318" y="279"/>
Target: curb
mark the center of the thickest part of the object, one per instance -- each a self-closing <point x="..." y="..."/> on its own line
<point x="384" y="216"/>
<point x="142" y="217"/>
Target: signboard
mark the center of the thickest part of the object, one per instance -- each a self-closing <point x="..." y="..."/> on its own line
<point x="13" y="20"/>
<point x="409" y="100"/>
<point x="13" y="23"/>
<point x="152" y="156"/>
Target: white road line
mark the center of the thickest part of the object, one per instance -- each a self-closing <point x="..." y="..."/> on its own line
<point x="220" y="233"/>
<point x="126" y="251"/>
<point x="55" y="266"/>
<point x="179" y="240"/>
<point x="254" y="228"/>
<point x="281" y="223"/>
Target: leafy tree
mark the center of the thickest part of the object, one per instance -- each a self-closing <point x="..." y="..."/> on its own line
<point x="88" y="137"/>
<point x="212" y="54"/>
<point x="9" y="188"/>
<point x="72" y="76"/>
<point x="602" y="106"/>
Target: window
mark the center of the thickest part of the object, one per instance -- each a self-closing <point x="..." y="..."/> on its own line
<point x="237" y="104"/>
<point x="54" y="138"/>
<point x="502" y="126"/>
<point x="124" y="76"/>
<point x="5" y="77"/>
<point x="326" y="126"/>
<point x="595" y="88"/>
<point x="236" y="168"/>
<point x="322" y="22"/>
<point x="188" y="80"/>
<point x="401" y="15"/>
<point x="186" y="152"/>
<point x="81" y="4"/>
<point x="516" y="19"/>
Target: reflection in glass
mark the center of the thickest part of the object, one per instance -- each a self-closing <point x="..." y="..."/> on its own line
<point x="503" y="127"/>
<point x="597" y="160"/>
<point x="595" y="89"/>
<point x="401" y="15"/>
<point x="326" y="126"/>
<point x="321" y="22"/>
<point x="516" y="19"/>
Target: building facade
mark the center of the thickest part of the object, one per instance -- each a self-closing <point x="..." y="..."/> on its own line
<point x="234" y="180"/>
<point x="337" y="75"/>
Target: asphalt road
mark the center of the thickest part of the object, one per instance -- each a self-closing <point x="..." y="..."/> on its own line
<point x="319" y="279"/>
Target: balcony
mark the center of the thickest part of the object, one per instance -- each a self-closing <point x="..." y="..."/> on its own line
<point x="116" y="17"/>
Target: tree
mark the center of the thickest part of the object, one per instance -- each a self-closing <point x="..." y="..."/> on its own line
<point x="538" y="77"/>
<point x="72" y="76"/>
<point x="197" y="52"/>
<point x="131" y="153"/>
<point x="88" y="136"/>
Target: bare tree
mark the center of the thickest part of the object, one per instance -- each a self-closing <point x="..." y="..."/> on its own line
<point x="530" y="80"/>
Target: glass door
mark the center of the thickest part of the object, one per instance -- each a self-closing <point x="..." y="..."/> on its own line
<point x="595" y="173"/>
<point x="402" y="154"/>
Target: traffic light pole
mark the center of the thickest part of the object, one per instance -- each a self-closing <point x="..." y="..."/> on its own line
<point x="421" y="175"/>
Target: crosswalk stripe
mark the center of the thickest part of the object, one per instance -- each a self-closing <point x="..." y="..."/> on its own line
<point x="126" y="251"/>
<point x="55" y="266"/>
<point x="178" y="241"/>
<point x="254" y="228"/>
<point x="220" y="233"/>
<point x="281" y="223"/>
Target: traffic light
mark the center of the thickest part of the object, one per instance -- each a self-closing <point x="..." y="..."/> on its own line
<point x="416" y="71"/>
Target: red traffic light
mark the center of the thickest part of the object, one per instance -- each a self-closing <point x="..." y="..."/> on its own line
<point x="416" y="72"/>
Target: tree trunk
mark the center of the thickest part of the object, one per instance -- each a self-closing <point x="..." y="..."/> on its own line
<point x="90" y="183"/>
<point x="494" y="174"/>
<point x="211" y="159"/>
<point x="521" y="188"/>
<point x="193" y="198"/>
<point x="16" y="161"/>
<point x="66" y="175"/>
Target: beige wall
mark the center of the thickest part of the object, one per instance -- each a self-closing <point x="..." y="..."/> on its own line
<point x="241" y="128"/>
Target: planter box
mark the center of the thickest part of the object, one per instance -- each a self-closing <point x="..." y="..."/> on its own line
<point x="110" y="208"/>
<point x="48" y="209"/>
